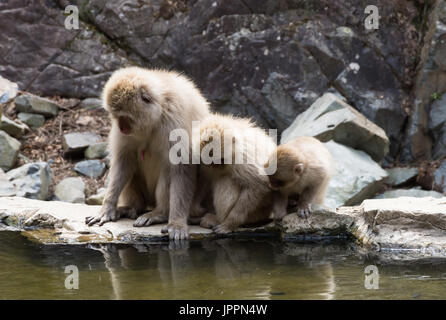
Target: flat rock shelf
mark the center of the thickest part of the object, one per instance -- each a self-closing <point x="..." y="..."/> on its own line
<point x="416" y="226"/>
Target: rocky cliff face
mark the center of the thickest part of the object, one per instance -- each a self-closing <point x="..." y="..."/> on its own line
<point x="266" y="59"/>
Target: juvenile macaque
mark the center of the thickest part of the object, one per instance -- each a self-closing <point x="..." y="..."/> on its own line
<point x="304" y="168"/>
<point x="145" y="106"/>
<point x="237" y="151"/>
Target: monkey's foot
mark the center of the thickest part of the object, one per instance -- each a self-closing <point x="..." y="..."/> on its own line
<point x="177" y="231"/>
<point x="106" y="215"/>
<point x="149" y="218"/>
<point x="209" y="221"/>
<point x="222" y="229"/>
<point x="305" y="211"/>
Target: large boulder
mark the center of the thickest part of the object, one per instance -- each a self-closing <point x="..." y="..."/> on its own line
<point x="402" y="223"/>
<point x="330" y="118"/>
<point x="32" y="180"/>
<point x="9" y="150"/>
<point x="430" y="84"/>
<point x="43" y="56"/>
<point x="266" y="59"/>
<point x="356" y="176"/>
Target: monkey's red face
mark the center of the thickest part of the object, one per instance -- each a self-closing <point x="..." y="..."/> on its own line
<point x="134" y="106"/>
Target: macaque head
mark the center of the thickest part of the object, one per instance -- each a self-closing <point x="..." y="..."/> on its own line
<point x="135" y="98"/>
<point x="289" y="168"/>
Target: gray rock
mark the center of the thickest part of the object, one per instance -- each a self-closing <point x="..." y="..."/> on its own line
<point x="390" y="226"/>
<point x="440" y="176"/>
<point x="9" y="149"/>
<point x="63" y="62"/>
<point x="413" y="192"/>
<point x="8" y="90"/>
<point x="14" y="129"/>
<point x="268" y="60"/>
<point x="70" y="190"/>
<point x="399" y="176"/>
<point x="65" y="223"/>
<point x="330" y="118"/>
<point x="96" y="151"/>
<point x="6" y="188"/>
<point x="404" y="223"/>
<point x="76" y="143"/>
<point x="321" y="222"/>
<point x="31" y="119"/>
<point x="91" y="103"/>
<point x="430" y="79"/>
<point x="98" y="198"/>
<point x="90" y="168"/>
<point x="31" y="180"/>
<point x="356" y="177"/>
<point x="379" y="101"/>
<point x="29" y="103"/>
<point x="437" y="125"/>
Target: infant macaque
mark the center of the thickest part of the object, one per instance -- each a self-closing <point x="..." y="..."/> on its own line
<point x="304" y="168"/>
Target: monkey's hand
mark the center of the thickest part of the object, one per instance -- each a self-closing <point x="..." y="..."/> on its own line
<point x="177" y="231"/>
<point x="304" y="211"/>
<point x="106" y="214"/>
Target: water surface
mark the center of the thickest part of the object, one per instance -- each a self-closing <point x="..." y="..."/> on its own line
<point x="211" y="269"/>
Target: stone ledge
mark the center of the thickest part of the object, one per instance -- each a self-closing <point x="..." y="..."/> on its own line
<point x="392" y="226"/>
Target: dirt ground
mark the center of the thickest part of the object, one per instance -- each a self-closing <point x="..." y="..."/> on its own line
<point x="45" y="143"/>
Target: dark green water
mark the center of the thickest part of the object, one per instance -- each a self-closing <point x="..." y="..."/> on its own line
<point x="219" y="269"/>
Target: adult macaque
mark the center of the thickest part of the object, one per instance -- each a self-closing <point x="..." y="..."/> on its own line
<point x="145" y="106"/>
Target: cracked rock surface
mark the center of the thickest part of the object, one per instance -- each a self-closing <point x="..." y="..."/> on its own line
<point x="415" y="225"/>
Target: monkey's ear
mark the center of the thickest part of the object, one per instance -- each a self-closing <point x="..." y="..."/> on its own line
<point x="299" y="168"/>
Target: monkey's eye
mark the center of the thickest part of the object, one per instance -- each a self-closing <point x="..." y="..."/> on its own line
<point x="146" y="98"/>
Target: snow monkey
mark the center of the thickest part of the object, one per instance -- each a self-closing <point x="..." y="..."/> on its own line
<point x="145" y="106"/>
<point x="304" y="168"/>
<point x="233" y="154"/>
